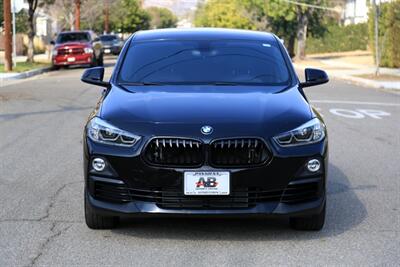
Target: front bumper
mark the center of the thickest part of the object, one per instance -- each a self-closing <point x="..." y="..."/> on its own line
<point x="267" y="208"/>
<point x="75" y="59"/>
<point x="129" y="186"/>
<point x="112" y="49"/>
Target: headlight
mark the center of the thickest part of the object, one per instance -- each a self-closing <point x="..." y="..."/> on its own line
<point x="88" y="50"/>
<point x="308" y="133"/>
<point x="54" y="52"/>
<point x="101" y="131"/>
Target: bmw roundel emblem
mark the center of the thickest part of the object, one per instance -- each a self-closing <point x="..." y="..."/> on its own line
<point x="206" y="129"/>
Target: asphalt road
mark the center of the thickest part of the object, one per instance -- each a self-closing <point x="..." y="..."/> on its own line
<point x="41" y="190"/>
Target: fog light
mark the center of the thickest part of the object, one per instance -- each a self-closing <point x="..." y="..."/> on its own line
<point x="98" y="164"/>
<point x="313" y="165"/>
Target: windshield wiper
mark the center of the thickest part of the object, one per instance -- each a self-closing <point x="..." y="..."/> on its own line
<point x="224" y="83"/>
<point x="140" y="83"/>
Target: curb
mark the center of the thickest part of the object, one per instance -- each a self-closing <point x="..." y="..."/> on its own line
<point x="360" y="81"/>
<point x="369" y="83"/>
<point x="26" y="74"/>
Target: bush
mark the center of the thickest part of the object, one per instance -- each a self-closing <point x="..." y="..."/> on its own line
<point x="389" y="33"/>
<point x="339" y="39"/>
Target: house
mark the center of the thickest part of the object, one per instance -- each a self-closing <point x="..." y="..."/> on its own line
<point x="356" y="11"/>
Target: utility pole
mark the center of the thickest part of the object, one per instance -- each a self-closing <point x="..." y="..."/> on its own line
<point x="77" y="15"/>
<point x="376" y="28"/>
<point x="14" y="41"/>
<point x="106" y="17"/>
<point x="7" y="35"/>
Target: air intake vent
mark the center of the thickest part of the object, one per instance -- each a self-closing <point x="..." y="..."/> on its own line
<point x="301" y="192"/>
<point x="238" y="152"/>
<point x="175" y="152"/>
<point x="111" y="192"/>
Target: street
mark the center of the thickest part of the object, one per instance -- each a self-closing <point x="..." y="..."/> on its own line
<point x="41" y="189"/>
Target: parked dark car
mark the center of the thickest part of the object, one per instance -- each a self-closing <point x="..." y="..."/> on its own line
<point x="112" y="44"/>
<point x="205" y="122"/>
<point x="77" y="48"/>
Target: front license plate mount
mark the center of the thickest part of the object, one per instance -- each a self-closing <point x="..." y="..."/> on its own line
<point x="206" y="183"/>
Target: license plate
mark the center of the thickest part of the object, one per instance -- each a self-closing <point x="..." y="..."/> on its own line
<point x="107" y="51"/>
<point x="71" y="59"/>
<point x="206" y="183"/>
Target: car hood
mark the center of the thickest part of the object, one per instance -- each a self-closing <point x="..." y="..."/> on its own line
<point x="72" y="44"/>
<point x="182" y="111"/>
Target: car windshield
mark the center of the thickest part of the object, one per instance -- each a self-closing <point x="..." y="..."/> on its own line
<point x="73" y="37"/>
<point x="107" y="38"/>
<point x="205" y="62"/>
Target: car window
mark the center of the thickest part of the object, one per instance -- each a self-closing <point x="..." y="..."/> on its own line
<point x="73" y="37"/>
<point x="107" y="38"/>
<point x="205" y="62"/>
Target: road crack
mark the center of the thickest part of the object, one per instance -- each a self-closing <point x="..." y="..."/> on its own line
<point x="55" y="234"/>
<point x="48" y="240"/>
<point x="53" y="199"/>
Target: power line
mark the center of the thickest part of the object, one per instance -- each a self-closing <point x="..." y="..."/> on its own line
<point x="312" y="6"/>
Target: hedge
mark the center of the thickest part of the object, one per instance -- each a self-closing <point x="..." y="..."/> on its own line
<point x="339" y="39"/>
<point x="389" y="33"/>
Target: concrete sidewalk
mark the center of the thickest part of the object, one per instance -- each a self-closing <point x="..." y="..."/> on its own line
<point x="5" y="76"/>
<point x="38" y="58"/>
<point x="356" y="67"/>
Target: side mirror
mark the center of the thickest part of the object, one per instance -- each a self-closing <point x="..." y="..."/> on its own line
<point x="52" y="42"/>
<point x="314" y="77"/>
<point x="95" y="76"/>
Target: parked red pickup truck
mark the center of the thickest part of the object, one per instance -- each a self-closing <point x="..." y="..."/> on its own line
<point x="77" y="48"/>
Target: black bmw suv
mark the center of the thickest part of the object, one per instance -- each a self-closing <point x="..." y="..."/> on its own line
<point x="205" y="122"/>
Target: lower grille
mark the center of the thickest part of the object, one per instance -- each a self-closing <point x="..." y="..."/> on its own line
<point x="239" y="198"/>
<point x="238" y="152"/>
<point x="111" y="192"/>
<point x="174" y="152"/>
<point x="301" y="192"/>
<point x="170" y="198"/>
<point x="173" y="198"/>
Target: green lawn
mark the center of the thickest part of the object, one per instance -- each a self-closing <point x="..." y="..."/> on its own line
<point x="24" y="66"/>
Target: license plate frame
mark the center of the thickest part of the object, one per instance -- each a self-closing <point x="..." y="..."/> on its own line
<point x="202" y="183"/>
<point x="71" y="59"/>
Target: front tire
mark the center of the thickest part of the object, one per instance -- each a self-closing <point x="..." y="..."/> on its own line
<point x="97" y="221"/>
<point x="310" y="223"/>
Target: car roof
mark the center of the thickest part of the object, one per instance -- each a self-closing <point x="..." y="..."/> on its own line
<point x="66" y="32"/>
<point x="202" y="34"/>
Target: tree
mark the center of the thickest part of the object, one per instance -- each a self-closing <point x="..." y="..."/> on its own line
<point x="62" y="12"/>
<point x="31" y="28"/>
<point x="389" y="37"/>
<point x="32" y="6"/>
<point x="161" y="18"/>
<point x="290" y="20"/>
<point x="92" y="15"/>
<point x="21" y="19"/>
<point x="1" y="13"/>
<point x="223" y="14"/>
<point x="129" y="16"/>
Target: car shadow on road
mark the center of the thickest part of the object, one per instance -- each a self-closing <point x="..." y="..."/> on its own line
<point x="13" y="116"/>
<point x="345" y="211"/>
